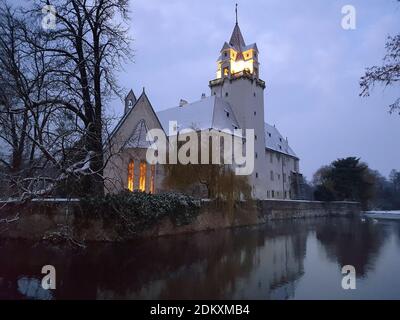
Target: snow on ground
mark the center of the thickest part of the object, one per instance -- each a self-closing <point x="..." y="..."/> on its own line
<point x="393" y="215"/>
<point x="382" y="212"/>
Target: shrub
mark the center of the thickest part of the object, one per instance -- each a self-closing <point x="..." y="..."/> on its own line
<point x="138" y="211"/>
<point x="322" y="193"/>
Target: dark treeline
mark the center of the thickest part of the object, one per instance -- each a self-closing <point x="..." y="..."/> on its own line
<point x="350" y="179"/>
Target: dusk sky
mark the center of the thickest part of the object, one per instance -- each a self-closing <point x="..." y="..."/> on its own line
<point x="311" y="66"/>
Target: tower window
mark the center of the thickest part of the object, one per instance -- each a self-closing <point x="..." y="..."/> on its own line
<point x="227" y="114"/>
<point x="255" y="113"/>
<point x="256" y="174"/>
<point x="226" y="94"/>
<point x="225" y="54"/>
<point x="255" y="137"/>
<point x="272" y="175"/>
<point x="256" y="155"/>
<point x="254" y="94"/>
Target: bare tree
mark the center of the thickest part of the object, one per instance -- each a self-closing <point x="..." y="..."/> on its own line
<point x="55" y="85"/>
<point x="22" y="81"/>
<point x="387" y="75"/>
<point x="88" y="46"/>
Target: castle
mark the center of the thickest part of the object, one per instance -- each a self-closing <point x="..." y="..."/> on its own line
<point x="236" y="101"/>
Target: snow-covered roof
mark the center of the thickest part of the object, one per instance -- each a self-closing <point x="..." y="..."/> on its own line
<point x="275" y="141"/>
<point x="207" y="113"/>
<point x="138" y="137"/>
<point x="250" y="46"/>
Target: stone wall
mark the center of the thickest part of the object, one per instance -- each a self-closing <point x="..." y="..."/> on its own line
<point x="41" y="220"/>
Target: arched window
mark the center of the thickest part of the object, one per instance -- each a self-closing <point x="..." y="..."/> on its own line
<point x="152" y="178"/>
<point x="131" y="175"/>
<point x="142" y="176"/>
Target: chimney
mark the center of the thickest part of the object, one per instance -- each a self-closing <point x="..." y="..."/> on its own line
<point x="182" y="103"/>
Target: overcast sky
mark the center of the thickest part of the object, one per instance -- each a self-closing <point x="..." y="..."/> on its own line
<point x="311" y="66"/>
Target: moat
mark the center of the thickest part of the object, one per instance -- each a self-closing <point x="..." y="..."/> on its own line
<point x="292" y="259"/>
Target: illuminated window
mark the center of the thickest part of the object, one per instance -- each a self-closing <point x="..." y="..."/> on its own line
<point x="142" y="176"/>
<point x="131" y="175"/>
<point x="152" y="176"/>
<point x="226" y="71"/>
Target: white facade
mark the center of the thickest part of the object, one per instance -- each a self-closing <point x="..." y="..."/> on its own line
<point x="236" y="102"/>
<point x="238" y="83"/>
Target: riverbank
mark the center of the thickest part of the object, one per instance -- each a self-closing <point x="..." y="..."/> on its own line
<point x="57" y="220"/>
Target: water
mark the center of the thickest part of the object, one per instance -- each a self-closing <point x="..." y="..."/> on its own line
<point x="299" y="259"/>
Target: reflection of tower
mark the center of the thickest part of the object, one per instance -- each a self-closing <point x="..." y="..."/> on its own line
<point x="279" y="265"/>
<point x="238" y="83"/>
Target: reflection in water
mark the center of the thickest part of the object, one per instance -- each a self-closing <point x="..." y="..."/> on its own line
<point x="32" y="288"/>
<point x="357" y="243"/>
<point x="263" y="262"/>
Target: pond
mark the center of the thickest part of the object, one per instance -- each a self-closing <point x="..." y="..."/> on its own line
<point x="298" y="259"/>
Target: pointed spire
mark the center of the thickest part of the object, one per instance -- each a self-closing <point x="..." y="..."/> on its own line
<point x="237" y="40"/>
<point x="236" y="13"/>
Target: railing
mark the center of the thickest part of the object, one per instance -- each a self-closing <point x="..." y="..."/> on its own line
<point x="241" y="74"/>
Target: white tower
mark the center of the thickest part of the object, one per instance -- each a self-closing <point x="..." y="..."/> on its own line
<point x="239" y="84"/>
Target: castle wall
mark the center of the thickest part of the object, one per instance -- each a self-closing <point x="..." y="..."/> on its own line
<point x="38" y="219"/>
